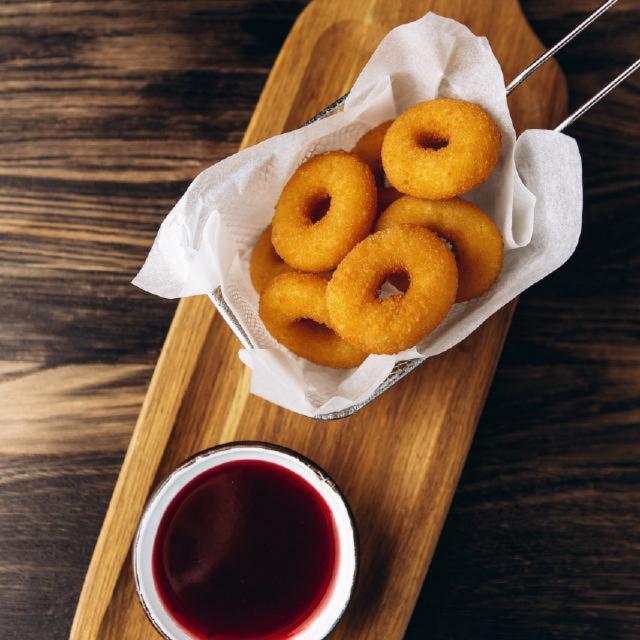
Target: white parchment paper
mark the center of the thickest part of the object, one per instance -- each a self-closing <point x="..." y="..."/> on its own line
<point x="534" y="195"/>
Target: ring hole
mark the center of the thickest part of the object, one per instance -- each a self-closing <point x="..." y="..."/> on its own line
<point x="450" y="245"/>
<point x="318" y="208"/>
<point x="431" y="141"/>
<point x="395" y="283"/>
<point x="311" y="327"/>
<point x="441" y="236"/>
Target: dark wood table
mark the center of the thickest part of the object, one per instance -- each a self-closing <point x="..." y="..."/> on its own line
<point x="107" y="110"/>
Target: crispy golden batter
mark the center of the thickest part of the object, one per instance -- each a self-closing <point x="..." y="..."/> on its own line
<point x="400" y="321"/>
<point x="476" y="240"/>
<point x="294" y="310"/>
<point x="369" y="150"/>
<point x="369" y="147"/>
<point x="265" y="263"/>
<point x="326" y="208"/>
<point x="440" y="148"/>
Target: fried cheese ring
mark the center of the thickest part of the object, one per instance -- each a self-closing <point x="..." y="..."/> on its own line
<point x="400" y="321"/>
<point x="265" y="263"/>
<point x="369" y="148"/>
<point x="476" y="240"/>
<point x="440" y="148"/>
<point x="326" y="208"/>
<point x="293" y="308"/>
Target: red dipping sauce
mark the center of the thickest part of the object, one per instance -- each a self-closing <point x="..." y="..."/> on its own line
<point x="246" y="549"/>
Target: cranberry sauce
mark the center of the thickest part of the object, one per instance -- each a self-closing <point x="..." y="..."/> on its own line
<point x="245" y="550"/>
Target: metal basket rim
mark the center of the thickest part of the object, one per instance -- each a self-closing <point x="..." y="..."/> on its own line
<point x="399" y="371"/>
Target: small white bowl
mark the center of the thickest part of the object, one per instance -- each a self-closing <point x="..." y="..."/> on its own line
<point x="329" y="612"/>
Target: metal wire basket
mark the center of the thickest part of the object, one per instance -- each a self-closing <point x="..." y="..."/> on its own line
<point x="403" y="367"/>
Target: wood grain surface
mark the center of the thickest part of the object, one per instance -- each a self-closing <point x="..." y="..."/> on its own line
<point x="399" y="460"/>
<point x="541" y="541"/>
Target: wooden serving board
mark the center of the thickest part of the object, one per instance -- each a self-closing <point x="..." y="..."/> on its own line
<point x="399" y="459"/>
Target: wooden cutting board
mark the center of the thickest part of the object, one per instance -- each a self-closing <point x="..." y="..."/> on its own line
<point x="399" y="459"/>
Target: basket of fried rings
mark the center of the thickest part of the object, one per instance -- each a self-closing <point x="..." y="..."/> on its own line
<point x="369" y="249"/>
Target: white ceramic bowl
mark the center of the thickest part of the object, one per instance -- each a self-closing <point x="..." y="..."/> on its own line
<point x="324" y="619"/>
